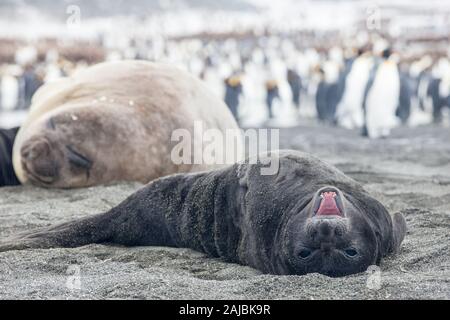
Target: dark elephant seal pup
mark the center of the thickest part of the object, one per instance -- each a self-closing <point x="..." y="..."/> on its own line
<point x="309" y="217"/>
<point x="114" y="122"/>
<point x="7" y="175"/>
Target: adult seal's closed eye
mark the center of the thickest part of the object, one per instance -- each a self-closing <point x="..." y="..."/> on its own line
<point x="309" y="217"/>
<point x="114" y="122"/>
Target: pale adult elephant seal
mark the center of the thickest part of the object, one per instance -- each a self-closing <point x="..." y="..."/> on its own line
<point x="114" y="121"/>
<point x="309" y="217"/>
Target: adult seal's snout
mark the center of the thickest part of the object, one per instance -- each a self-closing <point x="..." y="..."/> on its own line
<point x="38" y="161"/>
<point x="35" y="149"/>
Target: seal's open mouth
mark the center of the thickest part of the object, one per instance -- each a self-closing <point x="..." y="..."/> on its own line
<point x="329" y="203"/>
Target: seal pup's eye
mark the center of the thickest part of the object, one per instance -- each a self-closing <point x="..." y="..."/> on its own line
<point x="304" y="253"/>
<point x="350" y="252"/>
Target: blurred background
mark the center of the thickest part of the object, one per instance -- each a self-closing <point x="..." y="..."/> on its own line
<point x="366" y="66"/>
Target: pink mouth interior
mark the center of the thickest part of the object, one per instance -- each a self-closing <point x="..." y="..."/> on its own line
<point x="328" y="205"/>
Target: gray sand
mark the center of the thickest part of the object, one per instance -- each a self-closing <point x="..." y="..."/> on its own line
<point x="410" y="172"/>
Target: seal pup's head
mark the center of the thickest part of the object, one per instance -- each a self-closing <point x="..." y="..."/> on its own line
<point x="339" y="233"/>
<point x="312" y="218"/>
<point x="333" y="236"/>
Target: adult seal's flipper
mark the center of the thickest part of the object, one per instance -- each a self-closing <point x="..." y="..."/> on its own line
<point x="7" y="175"/>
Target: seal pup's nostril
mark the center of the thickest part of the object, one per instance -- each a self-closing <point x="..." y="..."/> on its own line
<point x="325" y="228"/>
